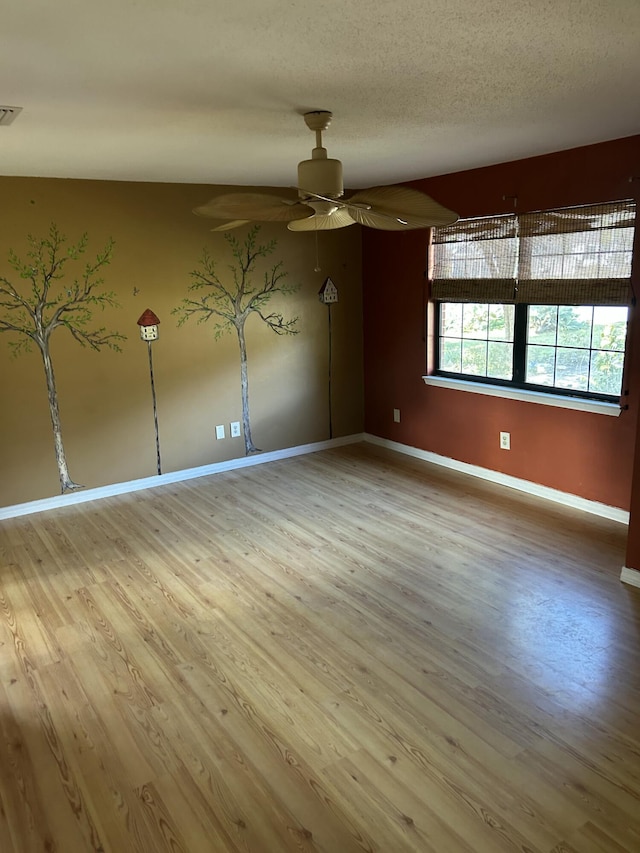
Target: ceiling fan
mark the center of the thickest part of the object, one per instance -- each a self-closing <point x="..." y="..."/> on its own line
<point x="320" y="205"/>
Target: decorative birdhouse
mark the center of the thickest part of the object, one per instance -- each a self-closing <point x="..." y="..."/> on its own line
<point x="148" y="323"/>
<point x="328" y="293"/>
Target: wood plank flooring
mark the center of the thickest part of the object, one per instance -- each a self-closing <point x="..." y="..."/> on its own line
<point x="347" y="651"/>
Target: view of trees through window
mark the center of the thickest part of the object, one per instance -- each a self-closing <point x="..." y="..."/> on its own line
<point x="576" y="347"/>
<point x="477" y="339"/>
<point x="568" y="347"/>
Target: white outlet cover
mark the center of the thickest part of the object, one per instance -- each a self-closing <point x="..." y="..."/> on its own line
<point x="234" y="429"/>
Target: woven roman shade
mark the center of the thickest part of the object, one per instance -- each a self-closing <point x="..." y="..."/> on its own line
<point x="569" y="256"/>
<point x="577" y="255"/>
<point x="475" y="260"/>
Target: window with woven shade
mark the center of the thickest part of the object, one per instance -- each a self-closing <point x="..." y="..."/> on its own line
<point x="576" y="256"/>
<point x="537" y="299"/>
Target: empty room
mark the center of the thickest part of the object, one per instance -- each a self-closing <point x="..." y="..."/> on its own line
<point x="319" y="431"/>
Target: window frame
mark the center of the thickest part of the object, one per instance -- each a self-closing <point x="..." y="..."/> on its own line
<point x="520" y="343"/>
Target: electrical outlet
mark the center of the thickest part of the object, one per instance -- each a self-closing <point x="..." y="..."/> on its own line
<point x="234" y="429"/>
<point x="505" y="440"/>
<point x="396" y="416"/>
<point x="220" y="431"/>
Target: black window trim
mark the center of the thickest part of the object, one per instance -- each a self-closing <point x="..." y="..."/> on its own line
<point x="519" y="359"/>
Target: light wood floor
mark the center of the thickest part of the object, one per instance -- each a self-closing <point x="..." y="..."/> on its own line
<point x="348" y="651"/>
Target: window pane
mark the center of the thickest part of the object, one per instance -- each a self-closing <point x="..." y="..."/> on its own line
<point x="572" y="369"/>
<point x="474" y="357"/>
<point x="606" y="373"/>
<point x="574" y="326"/>
<point x="451" y="355"/>
<point x="500" y="360"/>
<point x="542" y="324"/>
<point x="474" y="320"/>
<point x="451" y="319"/>
<point x="579" y="365"/>
<point x="610" y="328"/>
<point x="501" y="319"/>
<point x="540" y="365"/>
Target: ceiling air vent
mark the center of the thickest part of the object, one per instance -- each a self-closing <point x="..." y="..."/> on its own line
<point x="8" y="114"/>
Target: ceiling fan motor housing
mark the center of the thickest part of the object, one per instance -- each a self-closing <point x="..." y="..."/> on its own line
<point x="320" y="175"/>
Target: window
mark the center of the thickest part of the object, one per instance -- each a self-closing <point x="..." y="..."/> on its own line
<point x="536" y="301"/>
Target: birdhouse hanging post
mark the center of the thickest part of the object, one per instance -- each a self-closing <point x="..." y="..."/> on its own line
<point x="328" y="295"/>
<point x="148" y="323"/>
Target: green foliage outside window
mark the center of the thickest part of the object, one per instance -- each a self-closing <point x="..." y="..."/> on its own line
<point x="576" y="348"/>
<point x="477" y="339"/>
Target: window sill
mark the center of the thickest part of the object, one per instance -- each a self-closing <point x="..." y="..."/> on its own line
<point x="595" y="406"/>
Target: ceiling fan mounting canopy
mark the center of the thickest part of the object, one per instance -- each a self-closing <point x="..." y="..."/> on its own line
<point x="318" y="120"/>
<point x="320" y="204"/>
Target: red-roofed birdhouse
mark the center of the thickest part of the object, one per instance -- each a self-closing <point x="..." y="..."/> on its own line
<point x="148" y="323"/>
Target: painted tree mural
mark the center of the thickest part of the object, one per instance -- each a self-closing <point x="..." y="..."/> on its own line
<point x="39" y="303"/>
<point x="231" y="303"/>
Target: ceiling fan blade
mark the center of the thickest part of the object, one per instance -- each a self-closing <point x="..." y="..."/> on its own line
<point x="383" y="222"/>
<point x="234" y="223"/>
<point x="258" y="207"/>
<point x="322" y="222"/>
<point x="403" y="208"/>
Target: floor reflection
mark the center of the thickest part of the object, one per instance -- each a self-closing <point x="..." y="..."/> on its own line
<point x="562" y="639"/>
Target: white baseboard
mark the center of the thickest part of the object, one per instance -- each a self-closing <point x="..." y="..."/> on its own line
<point x="526" y="486"/>
<point x="630" y="576"/>
<point x="595" y="508"/>
<point x="173" y="477"/>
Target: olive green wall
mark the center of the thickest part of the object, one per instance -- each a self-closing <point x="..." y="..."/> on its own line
<point x="105" y="397"/>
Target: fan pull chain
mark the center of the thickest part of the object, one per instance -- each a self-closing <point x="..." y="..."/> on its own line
<point x="317" y="266"/>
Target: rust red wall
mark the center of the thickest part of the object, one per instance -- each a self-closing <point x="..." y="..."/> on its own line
<point x="581" y="453"/>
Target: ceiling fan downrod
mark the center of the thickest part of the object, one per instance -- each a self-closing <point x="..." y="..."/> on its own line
<point x="320" y="175"/>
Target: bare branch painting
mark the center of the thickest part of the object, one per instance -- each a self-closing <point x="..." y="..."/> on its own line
<point x="231" y="300"/>
<point x="38" y="304"/>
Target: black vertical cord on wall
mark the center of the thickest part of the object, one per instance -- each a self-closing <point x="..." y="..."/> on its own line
<point x="155" y="409"/>
<point x="330" y="371"/>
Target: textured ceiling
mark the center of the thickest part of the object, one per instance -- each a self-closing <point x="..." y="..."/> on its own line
<point x="211" y="91"/>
